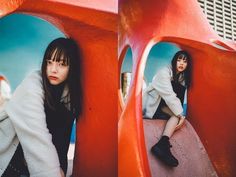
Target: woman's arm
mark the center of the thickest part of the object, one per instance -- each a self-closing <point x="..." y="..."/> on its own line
<point x="26" y="111"/>
<point x="162" y="84"/>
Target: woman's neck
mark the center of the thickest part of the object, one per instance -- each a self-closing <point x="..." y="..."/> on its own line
<point x="56" y="91"/>
<point x="178" y="72"/>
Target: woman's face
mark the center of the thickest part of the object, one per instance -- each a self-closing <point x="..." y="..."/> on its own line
<point x="181" y="64"/>
<point x="57" y="71"/>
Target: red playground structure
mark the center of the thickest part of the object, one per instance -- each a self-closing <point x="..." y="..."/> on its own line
<point x="206" y="144"/>
<point x="93" y="24"/>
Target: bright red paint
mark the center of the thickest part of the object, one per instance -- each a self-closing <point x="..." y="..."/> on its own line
<point x="211" y="99"/>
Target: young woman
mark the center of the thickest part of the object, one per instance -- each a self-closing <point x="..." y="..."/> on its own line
<point x="163" y="99"/>
<point x="38" y="118"/>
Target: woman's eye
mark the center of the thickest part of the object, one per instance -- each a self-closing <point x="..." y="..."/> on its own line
<point x="62" y="64"/>
<point x="49" y="62"/>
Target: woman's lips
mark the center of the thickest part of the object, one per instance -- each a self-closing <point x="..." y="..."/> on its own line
<point x="52" y="78"/>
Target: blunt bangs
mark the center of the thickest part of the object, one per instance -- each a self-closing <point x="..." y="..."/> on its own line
<point x="57" y="54"/>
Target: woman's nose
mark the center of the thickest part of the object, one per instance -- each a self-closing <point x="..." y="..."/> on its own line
<point x="54" y="68"/>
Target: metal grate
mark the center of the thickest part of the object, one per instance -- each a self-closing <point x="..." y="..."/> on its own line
<point x="221" y="15"/>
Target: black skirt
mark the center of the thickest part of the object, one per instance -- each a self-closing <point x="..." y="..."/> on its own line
<point x="179" y="90"/>
<point x="17" y="166"/>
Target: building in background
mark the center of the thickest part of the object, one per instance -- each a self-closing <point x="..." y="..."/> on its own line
<point x="221" y="14"/>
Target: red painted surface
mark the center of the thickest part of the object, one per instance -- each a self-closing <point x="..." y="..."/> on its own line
<point x="211" y="99"/>
<point x="93" y="24"/>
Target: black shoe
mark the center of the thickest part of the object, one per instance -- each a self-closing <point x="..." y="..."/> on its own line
<point x="162" y="151"/>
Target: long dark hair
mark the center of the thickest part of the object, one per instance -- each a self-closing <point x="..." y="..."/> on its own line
<point x="67" y="48"/>
<point x="187" y="72"/>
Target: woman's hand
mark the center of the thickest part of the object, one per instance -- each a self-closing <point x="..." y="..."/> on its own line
<point x="181" y="122"/>
<point x="62" y="173"/>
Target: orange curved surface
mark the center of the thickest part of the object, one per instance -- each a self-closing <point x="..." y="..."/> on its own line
<point x="93" y="25"/>
<point x="211" y="108"/>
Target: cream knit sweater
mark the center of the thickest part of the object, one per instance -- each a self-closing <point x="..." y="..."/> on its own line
<point x="23" y="119"/>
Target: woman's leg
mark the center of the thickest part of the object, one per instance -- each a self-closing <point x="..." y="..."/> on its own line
<point x="170" y="126"/>
<point x="162" y="148"/>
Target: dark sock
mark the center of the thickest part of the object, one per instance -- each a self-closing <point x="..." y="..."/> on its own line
<point x="165" y="138"/>
<point x="164" y="141"/>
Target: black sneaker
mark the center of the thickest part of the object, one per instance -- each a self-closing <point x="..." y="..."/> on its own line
<point x="162" y="151"/>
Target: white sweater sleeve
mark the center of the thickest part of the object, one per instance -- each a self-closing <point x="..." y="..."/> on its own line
<point x="162" y="84"/>
<point x="26" y="111"/>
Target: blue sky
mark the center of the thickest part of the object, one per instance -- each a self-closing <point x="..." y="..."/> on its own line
<point x="160" y="55"/>
<point x="23" y="40"/>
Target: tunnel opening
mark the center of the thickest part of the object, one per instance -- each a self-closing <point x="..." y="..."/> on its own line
<point x="160" y="56"/>
<point x="185" y="140"/>
<point x="126" y="61"/>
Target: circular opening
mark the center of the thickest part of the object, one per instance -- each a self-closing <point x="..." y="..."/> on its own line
<point x="126" y="73"/>
<point x="160" y="56"/>
<point x="22" y="49"/>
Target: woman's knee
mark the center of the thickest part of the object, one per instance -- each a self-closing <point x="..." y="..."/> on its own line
<point x="167" y="111"/>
